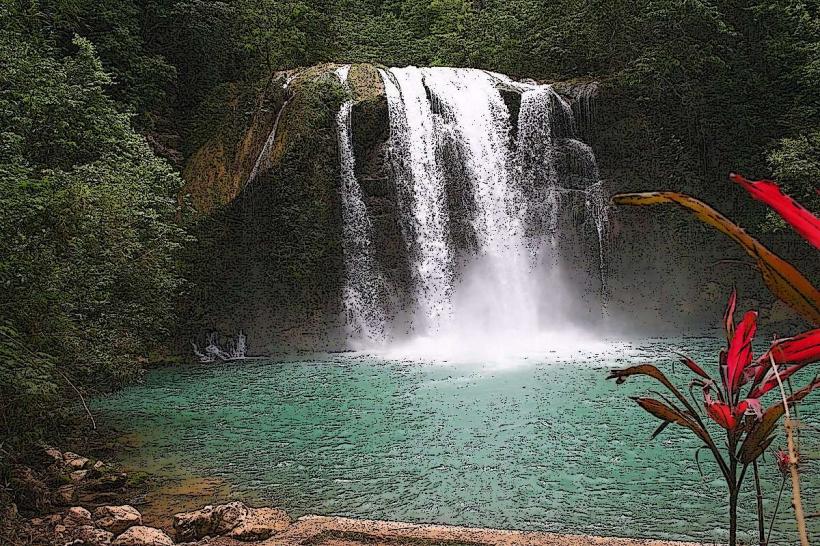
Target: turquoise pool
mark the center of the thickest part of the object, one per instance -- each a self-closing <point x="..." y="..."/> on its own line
<point x="539" y="443"/>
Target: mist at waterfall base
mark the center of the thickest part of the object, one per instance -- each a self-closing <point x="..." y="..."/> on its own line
<point x="494" y="206"/>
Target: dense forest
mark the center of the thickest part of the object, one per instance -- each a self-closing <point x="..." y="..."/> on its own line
<point x="102" y="101"/>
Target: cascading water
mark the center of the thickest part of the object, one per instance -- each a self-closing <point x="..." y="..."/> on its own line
<point x="363" y="283"/>
<point x="507" y="293"/>
<point x="421" y="191"/>
<point x="264" y="156"/>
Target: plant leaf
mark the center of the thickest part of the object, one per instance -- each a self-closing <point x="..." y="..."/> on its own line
<point x="759" y="436"/>
<point x="659" y="430"/>
<point x="669" y="415"/>
<point x="782" y="279"/>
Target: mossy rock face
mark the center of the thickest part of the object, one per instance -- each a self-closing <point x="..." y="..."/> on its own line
<point x="270" y="259"/>
<point x="216" y="172"/>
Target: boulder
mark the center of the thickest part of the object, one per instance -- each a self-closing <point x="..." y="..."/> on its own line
<point x="143" y="536"/>
<point x="227" y="516"/>
<point x="88" y="535"/>
<point x="53" y="519"/>
<point x="77" y="516"/>
<point x="75" y="461"/>
<point x="260" y="524"/>
<point x="117" y="518"/>
<point x="78" y="475"/>
<point x="194" y="525"/>
<point x="235" y="520"/>
<point x="55" y="455"/>
<point x="210" y="521"/>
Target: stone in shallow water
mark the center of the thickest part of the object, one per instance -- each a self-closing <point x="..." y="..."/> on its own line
<point x="117" y="518"/>
<point x="143" y="536"/>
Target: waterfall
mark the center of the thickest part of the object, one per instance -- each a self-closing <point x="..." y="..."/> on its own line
<point x="422" y="194"/>
<point x="263" y="159"/>
<point x="537" y="173"/>
<point x="510" y="151"/>
<point x="362" y="294"/>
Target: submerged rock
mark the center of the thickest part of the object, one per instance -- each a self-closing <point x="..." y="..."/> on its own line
<point x="108" y="482"/>
<point x="117" y="519"/>
<point x="143" y="536"/>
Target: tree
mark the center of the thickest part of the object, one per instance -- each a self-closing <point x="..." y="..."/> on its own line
<point x="88" y="230"/>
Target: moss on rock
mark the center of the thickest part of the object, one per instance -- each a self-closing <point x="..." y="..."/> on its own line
<point x="269" y="257"/>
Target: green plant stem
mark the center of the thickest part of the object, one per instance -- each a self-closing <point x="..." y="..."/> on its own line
<point x="776" y="508"/>
<point x="732" y="517"/>
<point x="760" y="529"/>
<point x="734" y="487"/>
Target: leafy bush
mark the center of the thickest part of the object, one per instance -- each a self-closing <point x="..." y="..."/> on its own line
<point x="88" y="233"/>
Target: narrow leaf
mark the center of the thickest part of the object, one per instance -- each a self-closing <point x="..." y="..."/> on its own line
<point x="758" y="438"/>
<point x="669" y="415"/>
<point x="782" y="279"/>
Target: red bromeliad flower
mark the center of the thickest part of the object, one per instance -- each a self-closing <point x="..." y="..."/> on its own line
<point x="801" y="219"/>
<point x="738" y="368"/>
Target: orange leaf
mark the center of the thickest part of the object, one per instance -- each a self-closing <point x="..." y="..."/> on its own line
<point x="782" y="279"/>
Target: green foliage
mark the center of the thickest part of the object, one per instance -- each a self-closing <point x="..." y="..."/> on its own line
<point x="284" y="33"/>
<point x="88" y="233"/>
<point x="88" y="211"/>
<point x="27" y="385"/>
<point x="795" y="164"/>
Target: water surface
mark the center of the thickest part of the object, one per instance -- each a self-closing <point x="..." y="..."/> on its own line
<point x="540" y="444"/>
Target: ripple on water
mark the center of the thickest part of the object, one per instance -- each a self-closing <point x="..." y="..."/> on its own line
<point x="536" y="445"/>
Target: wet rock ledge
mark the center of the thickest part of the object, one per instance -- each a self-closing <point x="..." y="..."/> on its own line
<point x="236" y="523"/>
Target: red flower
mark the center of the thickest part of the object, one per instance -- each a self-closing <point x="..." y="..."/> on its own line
<point x="802" y="220"/>
<point x="783" y="461"/>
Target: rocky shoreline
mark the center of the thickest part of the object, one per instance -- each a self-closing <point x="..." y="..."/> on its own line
<point x="78" y="501"/>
